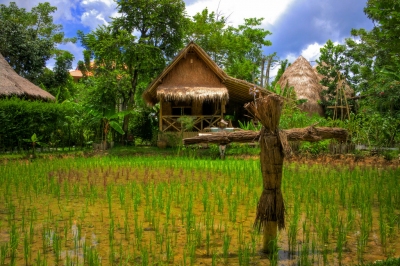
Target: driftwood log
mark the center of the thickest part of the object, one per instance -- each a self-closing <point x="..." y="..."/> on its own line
<point x="274" y="147"/>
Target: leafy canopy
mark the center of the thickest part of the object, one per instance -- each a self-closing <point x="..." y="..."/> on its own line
<point x="28" y="39"/>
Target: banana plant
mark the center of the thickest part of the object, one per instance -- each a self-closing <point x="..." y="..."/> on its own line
<point x="34" y="140"/>
<point x="110" y="120"/>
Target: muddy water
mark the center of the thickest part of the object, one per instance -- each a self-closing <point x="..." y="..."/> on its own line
<point x="139" y="216"/>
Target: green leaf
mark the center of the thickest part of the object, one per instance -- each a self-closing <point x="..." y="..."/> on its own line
<point x="117" y="127"/>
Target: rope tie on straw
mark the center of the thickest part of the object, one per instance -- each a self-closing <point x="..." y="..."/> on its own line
<point x="271" y="190"/>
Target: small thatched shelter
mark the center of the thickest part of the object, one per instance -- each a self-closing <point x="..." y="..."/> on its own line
<point x="301" y="76"/>
<point x="193" y="85"/>
<point x="11" y="84"/>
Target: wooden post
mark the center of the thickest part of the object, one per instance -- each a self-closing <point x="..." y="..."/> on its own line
<point x="269" y="236"/>
<point x="160" y="123"/>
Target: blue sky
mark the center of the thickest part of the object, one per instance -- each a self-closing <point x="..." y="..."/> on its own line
<point x="299" y="27"/>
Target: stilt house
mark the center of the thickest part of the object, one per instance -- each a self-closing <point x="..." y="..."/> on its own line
<point x="194" y="85"/>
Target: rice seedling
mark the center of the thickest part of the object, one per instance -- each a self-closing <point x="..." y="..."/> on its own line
<point x="192" y="211"/>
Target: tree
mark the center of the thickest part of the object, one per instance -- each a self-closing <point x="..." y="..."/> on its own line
<point x="237" y="50"/>
<point x="271" y="61"/>
<point x="377" y="56"/>
<point x="284" y="64"/>
<point x="133" y="50"/>
<point x="59" y="81"/>
<point x="245" y="49"/>
<point x="207" y="30"/>
<point x="375" y="63"/>
<point x="335" y="66"/>
<point x="28" y="39"/>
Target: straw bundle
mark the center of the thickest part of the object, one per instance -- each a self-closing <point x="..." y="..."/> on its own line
<point x="267" y="110"/>
<point x="270" y="207"/>
<point x="11" y="84"/>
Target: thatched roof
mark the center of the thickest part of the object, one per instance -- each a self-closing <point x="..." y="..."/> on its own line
<point x="197" y="83"/>
<point x="194" y="93"/>
<point x="11" y="84"/>
<point x="301" y="76"/>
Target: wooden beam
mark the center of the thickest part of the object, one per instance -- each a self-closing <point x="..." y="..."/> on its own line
<point x="311" y="134"/>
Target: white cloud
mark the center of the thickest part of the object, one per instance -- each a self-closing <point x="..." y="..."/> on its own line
<point x="237" y="11"/>
<point x="291" y="57"/>
<point x="63" y="11"/>
<point x="311" y="53"/>
<point x="97" y="12"/>
<point x="94" y="12"/>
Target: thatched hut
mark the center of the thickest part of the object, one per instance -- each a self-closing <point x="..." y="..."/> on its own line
<point x="11" y="84"/>
<point x="301" y="76"/>
<point x="193" y="85"/>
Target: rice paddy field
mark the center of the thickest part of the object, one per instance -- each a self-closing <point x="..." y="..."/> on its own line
<point x="183" y="211"/>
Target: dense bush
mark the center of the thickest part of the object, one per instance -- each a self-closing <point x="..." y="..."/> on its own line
<point x="143" y="124"/>
<point x="21" y="119"/>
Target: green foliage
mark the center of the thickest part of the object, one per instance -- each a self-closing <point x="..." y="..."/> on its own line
<point x="160" y="24"/>
<point x="187" y="122"/>
<point x="250" y="125"/>
<point x="376" y="57"/>
<point x="284" y="64"/>
<point x="21" y="119"/>
<point x="59" y="81"/>
<point x="388" y="262"/>
<point x="314" y="148"/>
<point x="34" y="140"/>
<point x="238" y="50"/>
<point x="333" y="64"/>
<point x="144" y="125"/>
<point x="28" y="39"/>
<point x="297" y="119"/>
<point x="130" y="52"/>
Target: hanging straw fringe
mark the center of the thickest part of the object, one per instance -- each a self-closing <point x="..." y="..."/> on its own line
<point x="270" y="208"/>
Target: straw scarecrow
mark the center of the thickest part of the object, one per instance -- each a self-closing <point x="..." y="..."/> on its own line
<point x="274" y="147"/>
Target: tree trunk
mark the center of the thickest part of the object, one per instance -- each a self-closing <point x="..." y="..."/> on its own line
<point x="131" y="103"/>
<point x="262" y="72"/>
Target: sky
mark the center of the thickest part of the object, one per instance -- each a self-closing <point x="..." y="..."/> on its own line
<point x="298" y="27"/>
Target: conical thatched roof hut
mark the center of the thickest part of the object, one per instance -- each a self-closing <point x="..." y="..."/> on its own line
<point x="11" y="84"/>
<point x="301" y="76"/>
